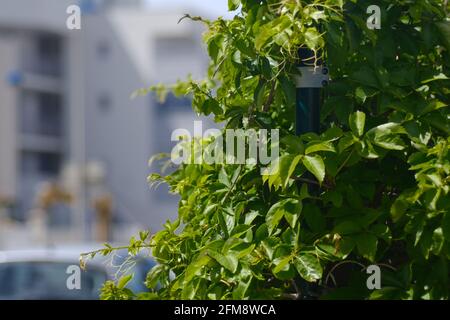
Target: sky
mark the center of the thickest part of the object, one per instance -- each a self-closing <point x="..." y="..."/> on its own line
<point x="213" y="7"/>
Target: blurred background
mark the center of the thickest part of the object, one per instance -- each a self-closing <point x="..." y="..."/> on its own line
<point x="74" y="148"/>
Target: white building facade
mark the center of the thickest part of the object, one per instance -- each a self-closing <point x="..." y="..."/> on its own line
<point x="65" y="108"/>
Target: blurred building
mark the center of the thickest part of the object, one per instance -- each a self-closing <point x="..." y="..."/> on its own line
<point x="66" y="115"/>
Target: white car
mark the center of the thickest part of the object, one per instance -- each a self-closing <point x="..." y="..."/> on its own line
<point x="43" y="274"/>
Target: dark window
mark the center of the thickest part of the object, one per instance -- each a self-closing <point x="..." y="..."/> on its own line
<point x="104" y="102"/>
<point x="50" y="114"/>
<point x="41" y="163"/>
<point x="42" y="114"/>
<point x="103" y="49"/>
<point x="49" y="53"/>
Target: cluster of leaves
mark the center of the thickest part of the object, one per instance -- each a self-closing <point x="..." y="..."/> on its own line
<point x="371" y="187"/>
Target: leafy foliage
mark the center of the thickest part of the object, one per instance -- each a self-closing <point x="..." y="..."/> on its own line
<point x="371" y="187"/>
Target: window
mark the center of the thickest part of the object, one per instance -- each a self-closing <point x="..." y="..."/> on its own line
<point x="49" y="54"/>
<point x="50" y="115"/>
<point x="103" y="49"/>
<point x="41" y="163"/>
<point x="42" y="114"/>
<point x="104" y="102"/>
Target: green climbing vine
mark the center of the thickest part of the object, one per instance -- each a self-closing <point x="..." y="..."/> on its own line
<point x="372" y="187"/>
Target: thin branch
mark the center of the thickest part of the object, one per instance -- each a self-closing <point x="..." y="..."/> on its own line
<point x="270" y="98"/>
<point x="232" y="185"/>
<point x="345" y="162"/>
<point x="305" y="180"/>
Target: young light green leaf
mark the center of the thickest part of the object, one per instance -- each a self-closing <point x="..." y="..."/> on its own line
<point x="196" y="266"/>
<point x="223" y="178"/>
<point x="315" y="146"/>
<point x="233" y="4"/>
<point x="281" y="264"/>
<point x="230" y="262"/>
<point x="357" y="121"/>
<point x="123" y="281"/>
<point x="315" y="165"/>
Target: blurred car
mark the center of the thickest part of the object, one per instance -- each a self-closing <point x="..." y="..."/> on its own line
<point x="42" y="274"/>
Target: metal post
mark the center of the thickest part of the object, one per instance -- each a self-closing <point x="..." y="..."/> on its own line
<point x="313" y="77"/>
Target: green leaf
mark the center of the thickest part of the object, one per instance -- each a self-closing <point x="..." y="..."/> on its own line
<point x="399" y="208"/>
<point x="262" y="232"/>
<point x="195" y="267"/>
<point x="332" y="134"/>
<point x="223" y="178"/>
<point x="269" y="246"/>
<point x="315" y="165"/>
<point x="229" y="262"/>
<point x="270" y="29"/>
<point x="366" y="244"/>
<point x="346" y="142"/>
<point x="233" y="4"/>
<point x="347" y="227"/>
<point x="293" y="144"/>
<point x="446" y="225"/>
<point x="288" y="163"/>
<point x="240" y="293"/>
<point x="360" y="95"/>
<point x="387" y="136"/>
<point x="292" y="167"/>
<point x="444" y="31"/>
<point x="153" y="277"/>
<point x="342" y="106"/>
<point x="123" y="281"/>
<point x="275" y="214"/>
<point x="437" y="241"/>
<point x="308" y="266"/>
<point x="440" y="76"/>
<point x="288" y="208"/>
<point x="249" y="217"/>
<point x="315" y="146"/>
<point x="366" y="76"/>
<point x="334" y="197"/>
<point x="313" y="38"/>
<point x="292" y="210"/>
<point x="357" y="121"/>
<point x="281" y="264"/>
<point x="288" y="87"/>
<point x="432" y="106"/>
<point x="212" y="106"/>
<point x="314" y="218"/>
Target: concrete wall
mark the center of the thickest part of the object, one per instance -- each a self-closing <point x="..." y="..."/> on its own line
<point x="8" y="123"/>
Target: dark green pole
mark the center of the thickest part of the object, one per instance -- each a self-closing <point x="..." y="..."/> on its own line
<point x="313" y="77"/>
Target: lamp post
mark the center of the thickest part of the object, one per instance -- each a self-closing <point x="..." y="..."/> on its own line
<point x="314" y="76"/>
